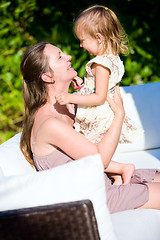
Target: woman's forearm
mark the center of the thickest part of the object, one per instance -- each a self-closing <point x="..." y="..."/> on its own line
<point x="108" y="144"/>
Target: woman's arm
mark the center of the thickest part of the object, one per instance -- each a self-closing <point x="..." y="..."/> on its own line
<point x="111" y="138"/>
<point x="101" y="88"/>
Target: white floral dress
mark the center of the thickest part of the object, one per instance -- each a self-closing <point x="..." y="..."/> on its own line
<point x="94" y="121"/>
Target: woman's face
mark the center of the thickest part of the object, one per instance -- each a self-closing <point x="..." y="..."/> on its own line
<point x="60" y="63"/>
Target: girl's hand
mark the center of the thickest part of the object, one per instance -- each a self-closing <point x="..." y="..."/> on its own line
<point x="116" y="103"/>
<point x="63" y="98"/>
<point x="77" y="83"/>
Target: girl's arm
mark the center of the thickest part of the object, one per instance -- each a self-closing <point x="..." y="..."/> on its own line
<point x="77" y="83"/>
<point x="101" y="87"/>
<point x="74" y="144"/>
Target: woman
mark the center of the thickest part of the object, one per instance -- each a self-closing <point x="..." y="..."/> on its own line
<point x="48" y="138"/>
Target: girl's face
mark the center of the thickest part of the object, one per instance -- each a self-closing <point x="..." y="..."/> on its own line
<point x="60" y="63"/>
<point x="91" y="44"/>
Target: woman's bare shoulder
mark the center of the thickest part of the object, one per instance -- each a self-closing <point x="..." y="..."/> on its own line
<point x="54" y="126"/>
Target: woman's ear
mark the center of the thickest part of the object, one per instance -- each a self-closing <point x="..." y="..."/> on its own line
<point x="99" y="38"/>
<point x="46" y="77"/>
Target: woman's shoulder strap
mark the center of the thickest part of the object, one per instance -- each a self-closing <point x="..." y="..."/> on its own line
<point x="45" y="119"/>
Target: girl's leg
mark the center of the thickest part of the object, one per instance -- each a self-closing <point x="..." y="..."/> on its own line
<point x="121" y="172"/>
<point x="154" y="196"/>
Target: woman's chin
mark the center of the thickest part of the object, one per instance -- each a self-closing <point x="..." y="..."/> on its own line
<point x="74" y="73"/>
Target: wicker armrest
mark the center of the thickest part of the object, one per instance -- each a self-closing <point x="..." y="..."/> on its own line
<point x="65" y="221"/>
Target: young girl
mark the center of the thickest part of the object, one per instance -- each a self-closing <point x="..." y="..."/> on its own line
<point x="102" y="35"/>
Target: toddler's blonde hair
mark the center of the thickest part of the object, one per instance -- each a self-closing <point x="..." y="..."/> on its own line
<point x="99" y="19"/>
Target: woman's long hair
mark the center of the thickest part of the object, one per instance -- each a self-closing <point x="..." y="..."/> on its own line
<point x="35" y="92"/>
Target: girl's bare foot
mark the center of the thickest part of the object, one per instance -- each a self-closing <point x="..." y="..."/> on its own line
<point x="122" y="174"/>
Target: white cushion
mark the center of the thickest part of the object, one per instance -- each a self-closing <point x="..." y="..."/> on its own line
<point x="1" y="173"/>
<point x="139" y="224"/>
<point x="12" y="161"/>
<point x="77" y="180"/>
<point x="141" y="104"/>
<point x="141" y="159"/>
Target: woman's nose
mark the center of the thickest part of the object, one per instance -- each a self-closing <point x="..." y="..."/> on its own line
<point x="68" y="57"/>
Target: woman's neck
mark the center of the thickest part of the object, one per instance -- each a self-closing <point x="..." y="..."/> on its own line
<point x="55" y="89"/>
<point x="53" y="107"/>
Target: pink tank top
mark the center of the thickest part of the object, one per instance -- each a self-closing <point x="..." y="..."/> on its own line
<point x="56" y="158"/>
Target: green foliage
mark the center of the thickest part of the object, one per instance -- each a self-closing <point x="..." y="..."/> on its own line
<point x="25" y="22"/>
<point x="15" y="17"/>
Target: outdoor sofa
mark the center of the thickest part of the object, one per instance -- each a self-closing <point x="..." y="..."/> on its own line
<point x="69" y="201"/>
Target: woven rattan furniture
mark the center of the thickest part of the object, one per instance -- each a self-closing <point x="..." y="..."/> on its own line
<point x="66" y="221"/>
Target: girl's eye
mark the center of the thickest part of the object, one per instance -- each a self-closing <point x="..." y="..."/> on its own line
<point x="60" y="57"/>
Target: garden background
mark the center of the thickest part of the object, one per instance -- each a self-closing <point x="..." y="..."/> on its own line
<point x="26" y="22"/>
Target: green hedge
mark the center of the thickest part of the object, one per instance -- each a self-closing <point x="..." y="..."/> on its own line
<point x="23" y="23"/>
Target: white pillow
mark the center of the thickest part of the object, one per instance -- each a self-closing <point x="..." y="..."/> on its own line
<point x="141" y="104"/>
<point x="77" y="180"/>
<point x="12" y="161"/>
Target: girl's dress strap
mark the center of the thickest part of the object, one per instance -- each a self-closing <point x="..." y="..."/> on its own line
<point x="34" y="142"/>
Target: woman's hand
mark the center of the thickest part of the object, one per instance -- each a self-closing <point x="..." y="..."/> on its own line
<point x="116" y="103"/>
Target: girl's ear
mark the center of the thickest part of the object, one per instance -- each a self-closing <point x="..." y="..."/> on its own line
<point x="46" y="77"/>
<point x="99" y="37"/>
